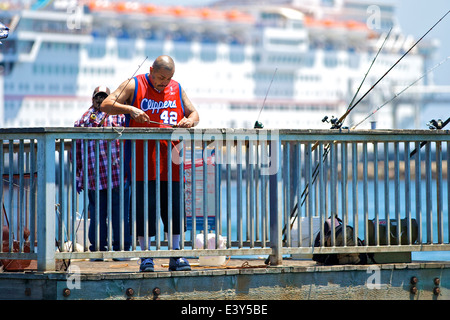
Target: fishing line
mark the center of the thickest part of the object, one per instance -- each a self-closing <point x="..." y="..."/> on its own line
<point x="373" y="61"/>
<point x="395" y="96"/>
<point x="149" y="121"/>
<point x="335" y="123"/>
<point x="315" y="173"/>
<point x="339" y="122"/>
<point x="106" y="115"/>
<point x="259" y="125"/>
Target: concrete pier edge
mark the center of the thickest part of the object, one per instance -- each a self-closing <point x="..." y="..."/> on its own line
<point x="297" y="280"/>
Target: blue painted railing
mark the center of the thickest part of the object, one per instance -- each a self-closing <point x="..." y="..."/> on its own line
<point x="257" y="192"/>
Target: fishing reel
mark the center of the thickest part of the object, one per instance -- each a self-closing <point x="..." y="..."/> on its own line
<point x="258" y="125"/>
<point x="334" y="122"/>
<point x="435" y="124"/>
<point x="4" y="32"/>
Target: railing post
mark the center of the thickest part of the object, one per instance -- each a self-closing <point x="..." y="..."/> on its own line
<point x="276" y="202"/>
<point x="46" y="203"/>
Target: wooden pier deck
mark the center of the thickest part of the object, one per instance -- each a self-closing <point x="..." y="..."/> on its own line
<point x="161" y="265"/>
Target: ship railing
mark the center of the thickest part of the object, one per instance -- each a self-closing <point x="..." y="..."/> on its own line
<point x="252" y="192"/>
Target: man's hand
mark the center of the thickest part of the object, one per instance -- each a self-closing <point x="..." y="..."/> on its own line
<point x="185" y="123"/>
<point x="138" y="115"/>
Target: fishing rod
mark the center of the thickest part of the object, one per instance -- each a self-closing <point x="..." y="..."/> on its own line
<point x="106" y="115"/>
<point x="327" y="147"/>
<point x="437" y="125"/>
<point x="398" y="94"/>
<point x="305" y="193"/>
<point x="373" y="61"/>
<point x="259" y="125"/>
<point x="433" y="125"/>
<point x="337" y="123"/>
<point x="334" y="121"/>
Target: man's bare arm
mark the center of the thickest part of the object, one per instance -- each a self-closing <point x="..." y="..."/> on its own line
<point x="191" y="118"/>
<point x="118" y="102"/>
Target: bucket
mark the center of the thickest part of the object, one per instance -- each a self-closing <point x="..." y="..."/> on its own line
<point x="210" y="260"/>
<point x="305" y="236"/>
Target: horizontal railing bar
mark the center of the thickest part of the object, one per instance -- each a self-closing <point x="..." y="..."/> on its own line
<point x="189" y="243"/>
<point x="250" y="251"/>
<point x="163" y="253"/>
<point x="18" y="255"/>
<point x="252" y="134"/>
<point x="367" y="249"/>
<point x="226" y="252"/>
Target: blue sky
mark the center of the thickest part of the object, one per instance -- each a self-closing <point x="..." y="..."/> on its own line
<point x="416" y="17"/>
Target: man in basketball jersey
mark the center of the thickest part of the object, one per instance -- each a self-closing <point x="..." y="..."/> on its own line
<point x="154" y="99"/>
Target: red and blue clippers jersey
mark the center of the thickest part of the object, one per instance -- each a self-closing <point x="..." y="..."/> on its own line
<point x="165" y="107"/>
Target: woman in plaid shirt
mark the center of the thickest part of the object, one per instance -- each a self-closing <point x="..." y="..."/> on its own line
<point x="93" y="117"/>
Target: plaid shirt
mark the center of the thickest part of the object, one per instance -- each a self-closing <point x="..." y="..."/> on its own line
<point x="92" y="118"/>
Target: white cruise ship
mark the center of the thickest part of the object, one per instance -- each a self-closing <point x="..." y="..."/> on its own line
<point x="316" y="51"/>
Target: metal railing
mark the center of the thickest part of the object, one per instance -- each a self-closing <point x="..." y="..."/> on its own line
<point x="252" y="192"/>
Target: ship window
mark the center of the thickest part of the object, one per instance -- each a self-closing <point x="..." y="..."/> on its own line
<point x="286" y="42"/>
<point x="353" y="61"/>
<point x="124" y="53"/>
<point x="330" y="62"/>
<point x="73" y="69"/>
<point x="328" y="3"/>
<point x="308" y="60"/>
<point x="256" y="58"/>
<point x="208" y="55"/>
<point x="23" y="87"/>
<point x="297" y="25"/>
<point x="39" y="87"/>
<point x="237" y="56"/>
<point x="182" y="52"/>
<point x="68" y="88"/>
<point x="96" y="51"/>
<point x="9" y="109"/>
<point x="9" y="86"/>
<point x="25" y="47"/>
